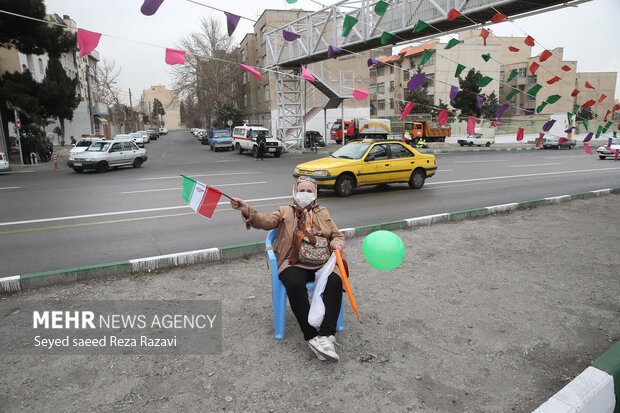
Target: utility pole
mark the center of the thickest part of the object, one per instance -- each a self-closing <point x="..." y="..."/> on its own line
<point x="131" y="109"/>
<point x="90" y="104"/>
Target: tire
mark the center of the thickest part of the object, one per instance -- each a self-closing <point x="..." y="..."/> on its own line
<point x="254" y="151"/>
<point x="78" y="170"/>
<point x="277" y="154"/>
<point x="345" y="184"/>
<point x="487" y="144"/>
<point x="238" y="149"/>
<point x="416" y="181"/>
<point x="102" y="166"/>
<point x="570" y="146"/>
<point x="137" y="163"/>
<point x="470" y="143"/>
<point x="462" y="143"/>
<point x="601" y="157"/>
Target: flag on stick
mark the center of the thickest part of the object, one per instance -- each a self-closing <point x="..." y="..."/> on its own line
<point x="200" y="197"/>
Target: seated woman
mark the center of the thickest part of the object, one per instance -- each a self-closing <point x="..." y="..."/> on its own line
<point x="303" y="218"/>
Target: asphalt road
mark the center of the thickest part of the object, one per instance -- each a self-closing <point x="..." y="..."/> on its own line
<point x="60" y="219"/>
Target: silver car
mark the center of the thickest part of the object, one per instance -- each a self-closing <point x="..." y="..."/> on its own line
<point x="104" y="155"/>
<point x="604" y="151"/>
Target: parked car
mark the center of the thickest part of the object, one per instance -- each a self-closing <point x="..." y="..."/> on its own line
<point x="244" y="139"/>
<point x="137" y="139"/>
<point x="145" y="136"/>
<point x="83" y="144"/>
<point x="220" y="139"/>
<point x="369" y="162"/>
<point x="318" y="138"/>
<point x="104" y="155"/>
<point x="604" y="152"/>
<point x="152" y="134"/>
<point x="163" y="131"/>
<point x="476" y="139"/>
<point x="4" y="163"/>
<point x="203" y="137"/>
<point x="554" y="142"/>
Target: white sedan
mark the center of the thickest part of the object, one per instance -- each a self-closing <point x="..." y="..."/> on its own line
<point x="4" y="163"/>
<point x="604" y="151"/>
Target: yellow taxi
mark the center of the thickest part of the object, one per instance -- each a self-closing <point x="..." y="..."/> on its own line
<point x="369" y="162"/>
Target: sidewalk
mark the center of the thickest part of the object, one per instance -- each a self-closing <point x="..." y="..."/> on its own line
<point x="492" y="314"/>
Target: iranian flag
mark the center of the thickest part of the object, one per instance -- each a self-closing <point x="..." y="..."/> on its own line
<point x="200" y="197"/>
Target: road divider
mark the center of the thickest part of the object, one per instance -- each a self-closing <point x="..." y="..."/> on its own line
<point x="147" y="264"/>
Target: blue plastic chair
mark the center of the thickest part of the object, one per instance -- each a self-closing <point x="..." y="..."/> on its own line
<point x="279" y="292"/>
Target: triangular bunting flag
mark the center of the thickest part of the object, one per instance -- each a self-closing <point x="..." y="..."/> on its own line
<point x="498" y="18"/>
<point x="513" y="49"/>
<point x="306" y="74"/>
<point x="484" y="80"/>
<point x="574" y="93"/>
<point x="585" y="123"/>
<point x="452" y="43"/>
<point x="347" y="25"/>
<point x="602" y="98"/>
<point x="588" y="137"/>
<point x="290" y="36"/>
<point x="586" y="148"/>
<point x="416" y="81"/>
<point x="589" y="86"/>
<point x="471" y="125"/>
<point x="252" y="70"/>
<point x="501" y="110"/>
<point x="442" y="119"/>
<point x="607" y="114"/>
<point x="529" y="40"/>
<point x="175" y="57"/>
<point x="419" y="26"/>
<point x="541" y="107"/>
<point x="534" y="90"/>
<point x="520" y="134"/>
<point x="381" y="7"/>
<point x="231" y="22"/>
<point x="553" y="98"/>
<point x="512" y="75"/>
<point x="553" y="80"/>
<point x="546" y="54"/>
<point x="512" y="94"/>
<point x="360" y="94"/>
<point x="534" y="67"/>
<point x="540" y="137"/>
<point x="479" y="101"/>
<point x="426" y="55"/>
<point x="484" y="34"/>
<point x="548" y="125"/>
<point x="385" y="38"/>
<point x="459" y="69"/>
<point x="407" y="109"/>
<point x="87" y="41"/>
<point x="486" y="57"/>
<point x="588" y="104"/>
<point x="566" y="68"/>
<point x="453" y="91"/>
<point x="149" y="7"/>
<point x="453" y="14"/>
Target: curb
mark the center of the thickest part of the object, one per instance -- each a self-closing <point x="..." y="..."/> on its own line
<point x="596" y="389"/>
<point x="139" y="265"/>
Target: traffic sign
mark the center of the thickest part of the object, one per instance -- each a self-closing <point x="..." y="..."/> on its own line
<point x="229" y="122"/>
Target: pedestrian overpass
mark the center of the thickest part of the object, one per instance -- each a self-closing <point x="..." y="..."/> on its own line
<point x="323" y="28"/>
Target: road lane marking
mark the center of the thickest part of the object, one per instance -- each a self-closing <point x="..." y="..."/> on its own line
<point x="227" y="160"/>
<point x="194" y="175"/>
<point x="490" y="160"/>
<point x="534" y="165"/>
<point x="16" y="172"/>
<point x="176" y="188"/>
<point x="12" y="187"/>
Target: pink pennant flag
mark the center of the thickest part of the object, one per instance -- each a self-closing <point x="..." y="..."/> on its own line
<point x="306" y="74"/>
<point x="493" y="124"/>
<point x="87" y="41"/>
<point x="586" y="147"/>
<point x="407" y="109"/>
<point x="442" y="119"/>
<point x="562" y="140"/>
<point x="539" y="139"/>
<point x="520" y="134"/>
<point x="252" y="70"/>
<point x="175" y="57"/>
<point x="360" y="94"/>
<point x="471" y="125"/>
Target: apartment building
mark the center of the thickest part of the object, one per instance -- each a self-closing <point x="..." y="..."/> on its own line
<point x="258" y="100"/>
<point x="170" y="102"/>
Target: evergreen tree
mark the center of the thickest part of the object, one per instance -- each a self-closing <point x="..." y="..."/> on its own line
<point x="228" y="111"/>
<point x="57" y="94"/>
<point x="424" y="102"/>
<point x="465" y="99"/>
<point x="158" y="111"/>
<point x="490" y="106"/>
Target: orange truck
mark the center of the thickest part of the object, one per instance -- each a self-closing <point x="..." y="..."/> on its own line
<point x="418" y="129"/>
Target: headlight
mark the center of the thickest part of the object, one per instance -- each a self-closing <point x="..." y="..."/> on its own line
<point x="296" y="170"/>
<point x="90" y="159"/>
<point x="320" y="173"/>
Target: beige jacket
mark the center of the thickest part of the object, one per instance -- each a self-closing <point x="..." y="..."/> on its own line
<point x="284" y="220"/>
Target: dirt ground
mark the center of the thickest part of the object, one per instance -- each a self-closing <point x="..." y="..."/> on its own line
<point x="487" y="315"/>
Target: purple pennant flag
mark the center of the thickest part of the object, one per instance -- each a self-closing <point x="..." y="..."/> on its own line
<point x="416" y="81"/>
<point x="609" y="142"/>
<point x="548" y="125"/>
<point x="453" y="91"/>
<point x="479" y="100"/>
<point x="149" y="7"/>
<point x="231" y="20"/>
<point x="528" y="112"/>
<point x="569" y="129"/>
<point x="290" y="36"/>
<point x="374" y="62"/>
<point x="333" y="50"/>
<point x="588" y="137"/>
<point x="501" y="110"/>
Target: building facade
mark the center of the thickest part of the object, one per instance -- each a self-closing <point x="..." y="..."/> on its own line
<point x="170" y="101"/>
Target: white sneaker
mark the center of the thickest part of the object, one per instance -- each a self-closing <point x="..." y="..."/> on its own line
<point x="324" y="346"/>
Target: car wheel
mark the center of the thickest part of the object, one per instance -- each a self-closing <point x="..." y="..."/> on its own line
<point x="471" y="144"/>
<point x="137" y="163"/>
<point x="78" y="170"/>
<point x="416" y="181"/>
<point x="277" y="154"/>
<point x="462" y="144"/>
<point x="488" y="144"/>
<point x="255" y="151"/>
<point x="601" y="157"/>
<point x="239" y="150"/>
<point x="570" y="146"/>
<point x="345" y="185"/>
<point x="102" y="166"/>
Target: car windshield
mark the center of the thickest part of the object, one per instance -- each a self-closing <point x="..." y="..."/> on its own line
<point x="99" y="147"/>
<point x="615" y="141"/>
<point x="475" y="136"/>
<point x="336" y="126"/>
<point x="221" y="134"/>
<point x="83" y="144"/>
<point x="351" y="151"/>
<point x="256" y="132"/>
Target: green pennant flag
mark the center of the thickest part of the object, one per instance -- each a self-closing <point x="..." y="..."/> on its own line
<point x="512" y="94"/>
<point x="575" y="109"/>
<point x="512" y="75"/>
<point x="484" y="80"/>
<point x="599" y="131"/>
<point x="553" y="98"/>
<point x="385" y="37"/>
<point x="419" y="26"/>
<point x="585" y="123"/>
<point x="570" y="118"/>
<point x="452" y="43"/>
<point x="381" y="7"/>
<point x="486" y="57"/>
<point x="459" y="69"/>
<point x="534" y="90"/>
<point x="541" y="107"/>
<point x="347" y="25"/>
<point x="291" y="1"/>
<point x="606" y="127"/>
<point x="426" y="55"/>
<point x="596" y="115"/>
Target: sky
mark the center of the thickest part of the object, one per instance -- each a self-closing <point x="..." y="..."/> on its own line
<point x="588" y="32"/>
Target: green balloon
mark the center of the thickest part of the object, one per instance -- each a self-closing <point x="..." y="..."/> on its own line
<point x="383" y="250"/>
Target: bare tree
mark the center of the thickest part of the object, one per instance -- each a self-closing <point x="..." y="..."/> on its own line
<point x="210" y="64"/>
<point x="107" y="76"/>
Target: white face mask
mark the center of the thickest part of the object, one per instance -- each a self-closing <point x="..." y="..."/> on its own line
<point x="304" y="199"/>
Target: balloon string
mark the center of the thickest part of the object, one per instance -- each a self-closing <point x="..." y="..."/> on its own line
<point x="351" y="243"/>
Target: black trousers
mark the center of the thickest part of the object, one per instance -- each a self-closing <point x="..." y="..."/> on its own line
<point x="294" y="280"/>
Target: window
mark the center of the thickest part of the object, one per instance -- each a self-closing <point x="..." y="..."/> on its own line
<point x="266" y="93"/>
<point x="391" y="103"/>
<point x="258" y="95"/>
<point x="391" y="69"/>
<point x="522" y="71"/>
<point x="127" y="146"/>
<point x="399" y="151"/>
<point x="381" y="88"/>
<point x="381" y="104"/>
<point x="405" y="74"/>
<point x="117" y="147"/>
<point x="245" y="99"/>
<point x="379" y="152"/>
<point x="233" y="86"/>
<point x="380" y="71"/>
<point x="530" y="97"/>
<point x="242" y="55"/>
<point x="532" y="79"/>
<point x="373" y="72"/>
<point x="501" y="76"/>
<point x="373" y="89"/>
<point x="245" y="78"/>
<point x="263" y="31"/>
<point x="431" y="79"/>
